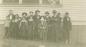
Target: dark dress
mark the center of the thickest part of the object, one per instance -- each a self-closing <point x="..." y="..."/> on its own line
<point x="67" y="26"/>
<point x="17" y="31"/>
<point x="57" y="28"/>
<point x="23" y="28"/>
<point x="42" y="29"/>
<point x="31" y="27"/>
<point x="52" y="29"/>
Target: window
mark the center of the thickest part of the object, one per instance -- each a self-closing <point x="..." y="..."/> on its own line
<point x="10" y="1"/>
<point x="30" y="2"/>
<point x="51" y="2"/>
<point x="46" y="2"/>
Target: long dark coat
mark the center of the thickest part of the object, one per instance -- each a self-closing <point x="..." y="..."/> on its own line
<point x="67" y="27"/>
<point x="36" y="20"/>
<point x="57" y="28"/>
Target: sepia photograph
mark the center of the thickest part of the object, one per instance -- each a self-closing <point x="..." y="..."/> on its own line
<point x="42" y="23"/>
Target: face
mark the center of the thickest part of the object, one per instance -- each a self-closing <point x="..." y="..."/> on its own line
<point x="24" y="14"/>
<point x="54" y="13"/>
<point x="17" y="16"/>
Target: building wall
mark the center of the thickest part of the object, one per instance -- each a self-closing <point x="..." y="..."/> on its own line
<point x="74" y="7"/>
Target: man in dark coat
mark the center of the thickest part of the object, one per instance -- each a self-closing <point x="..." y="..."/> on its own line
<point x="11" y="14"/>
<point x="36" y="18"/>
<point x="11" y="17"/>
<point x="31" y="25"/>
<point x="47" y="18"/>
<point x="16" y="26"/>
<point x="67" y="27"/>
<point x="56" y="27"/>
<point x="52" y="25"/>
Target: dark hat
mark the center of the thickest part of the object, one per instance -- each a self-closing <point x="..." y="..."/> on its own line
<point x="37" y="11"/>
<point x="46" y="12"/>
<point x="54" y="11"/>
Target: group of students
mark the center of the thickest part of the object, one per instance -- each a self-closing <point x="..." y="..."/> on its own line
<point x="34" y="26"/>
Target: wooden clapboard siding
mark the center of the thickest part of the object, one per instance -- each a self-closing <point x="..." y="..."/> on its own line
<point x="76" y="17"/>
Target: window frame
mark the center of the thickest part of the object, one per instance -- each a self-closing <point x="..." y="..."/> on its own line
<point x="20" y="3"/>
<point x="10" y="3"/>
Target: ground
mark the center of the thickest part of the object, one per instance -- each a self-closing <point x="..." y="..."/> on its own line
<point x="28" y="43"/>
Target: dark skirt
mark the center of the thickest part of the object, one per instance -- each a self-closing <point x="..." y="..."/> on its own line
<point x="43" y="34"/>
<point x="35" y="32"/>
<point x="31" y="30"/>
<point x="13" y="29"/>
<point x="23" y="31"/>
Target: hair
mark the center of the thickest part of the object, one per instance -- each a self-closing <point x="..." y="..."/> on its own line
<point x="37" y="11"/>
<point x="24" y="13"/>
